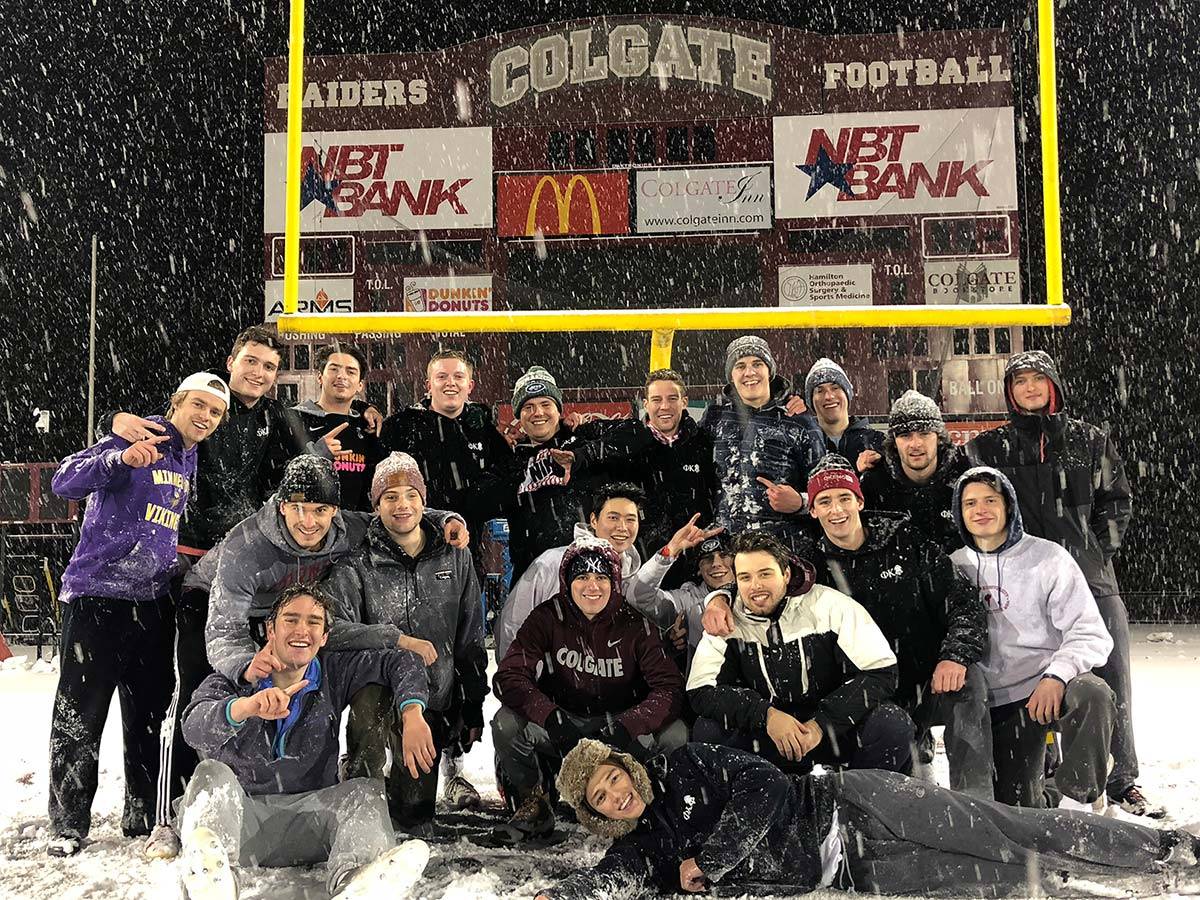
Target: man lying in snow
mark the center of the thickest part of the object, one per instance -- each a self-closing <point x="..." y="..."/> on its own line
<point x="705" y="815"/>
<point x="251" y="802"/>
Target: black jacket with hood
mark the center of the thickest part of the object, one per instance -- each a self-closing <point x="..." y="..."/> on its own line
<point x="886" y="487"/>
<point x="858" y="436"/>
<point x="748" y="443"/>
<point x="926" y="608"/>
<point x="1070" y="480"/>
<point x="741" y="818"/>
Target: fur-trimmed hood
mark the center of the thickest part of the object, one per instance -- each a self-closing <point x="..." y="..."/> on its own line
<point x="579" y="766"/>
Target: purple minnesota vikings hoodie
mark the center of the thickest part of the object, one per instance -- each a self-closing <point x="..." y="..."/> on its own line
<point x="130" y="531"/>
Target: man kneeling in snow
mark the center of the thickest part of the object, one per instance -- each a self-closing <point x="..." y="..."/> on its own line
<point x="267" y="793"/>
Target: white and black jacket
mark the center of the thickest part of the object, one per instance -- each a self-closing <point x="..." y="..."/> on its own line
<point x="819" y="656"/>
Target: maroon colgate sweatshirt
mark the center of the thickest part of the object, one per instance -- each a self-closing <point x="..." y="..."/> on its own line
<point x="613" y="664"/>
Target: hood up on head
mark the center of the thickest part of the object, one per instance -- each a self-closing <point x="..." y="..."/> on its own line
<point x="1016" y="530"/>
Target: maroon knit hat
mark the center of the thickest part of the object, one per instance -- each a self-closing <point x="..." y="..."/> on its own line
<point x="833" y="471"/>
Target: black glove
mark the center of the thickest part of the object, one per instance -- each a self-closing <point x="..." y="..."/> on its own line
<point x="564" y="733"/>
<point x="616" y="735"/>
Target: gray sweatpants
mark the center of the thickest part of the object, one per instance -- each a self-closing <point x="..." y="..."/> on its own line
<point x="346" y="824"/>
<point x="1115" y="673"/>
<point x="903" y="836"/>
<point x="1019" y="745"/>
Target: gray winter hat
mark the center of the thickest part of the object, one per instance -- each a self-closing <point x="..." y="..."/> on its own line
<point x="748" y="345"/>
<point x="826" y="371"/>
<point x="536" y="382"/>
<point x="915" y="412"/>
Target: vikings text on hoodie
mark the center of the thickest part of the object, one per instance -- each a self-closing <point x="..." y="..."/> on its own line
<point x="130" y="532"/>
<point x="1042" y="617"/>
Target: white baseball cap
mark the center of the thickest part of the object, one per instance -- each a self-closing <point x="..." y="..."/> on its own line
<point x="208" y="383"/>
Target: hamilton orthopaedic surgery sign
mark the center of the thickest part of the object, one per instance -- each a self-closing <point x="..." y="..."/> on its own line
<point x="694" y="200"/>
<point x="384" y="180"/>
<point x="660" y="50"/>
<point x="895" y="163"/>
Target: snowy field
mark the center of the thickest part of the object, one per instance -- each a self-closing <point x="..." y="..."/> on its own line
<point x="1166" y="678"/>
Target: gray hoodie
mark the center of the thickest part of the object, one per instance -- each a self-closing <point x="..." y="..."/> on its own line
<point x="299" y="753"/>
<point x="381" y="593"/>
<point x="257" y="560"/>
<point x="1042" y="617"/>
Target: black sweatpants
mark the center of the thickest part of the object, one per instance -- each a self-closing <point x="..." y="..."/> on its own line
<point x="109" y="645"/>
<point x="177" y="760"/>
<point x="903" y="836"/>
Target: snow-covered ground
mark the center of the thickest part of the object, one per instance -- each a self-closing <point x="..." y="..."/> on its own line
<point x="1166" y="678"/>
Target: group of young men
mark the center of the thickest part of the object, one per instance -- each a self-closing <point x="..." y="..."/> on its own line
<point x="778" y="577"/>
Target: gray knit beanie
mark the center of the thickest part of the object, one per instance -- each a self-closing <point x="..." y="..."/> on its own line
<point x="826" y="371"/>
<point x="915" y="412"/>
<point x="748" y="345"/>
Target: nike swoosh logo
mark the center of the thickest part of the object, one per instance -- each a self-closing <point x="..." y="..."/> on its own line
<point x="614" y="643"/>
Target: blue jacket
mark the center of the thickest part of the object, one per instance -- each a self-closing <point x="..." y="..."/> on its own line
<point x="130" y="531"/>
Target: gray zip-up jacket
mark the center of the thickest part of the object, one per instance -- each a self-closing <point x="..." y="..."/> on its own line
<point x="256" y="561"/>
<point x="299" y="753"/>
<point x="381" y="593"/>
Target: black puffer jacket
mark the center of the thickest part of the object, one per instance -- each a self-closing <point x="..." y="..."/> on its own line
<point x="1069" y="478"/>
<point x="455" y="454"/>
<point x="927" y="610"/>
<point x="740" y="817"/>
<point x="886" y="487"/>
<point x="748" y="443"/>
<point x="679" y="479"/>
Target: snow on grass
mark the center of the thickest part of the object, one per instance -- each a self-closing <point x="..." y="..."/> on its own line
<point x="111" y="867"/>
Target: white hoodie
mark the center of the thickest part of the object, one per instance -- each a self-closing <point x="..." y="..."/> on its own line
<point x="541" y="582"/>
<point x="1042" y="617"/>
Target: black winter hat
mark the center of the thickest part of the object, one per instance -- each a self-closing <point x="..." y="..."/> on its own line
<point x="309" y="479"/>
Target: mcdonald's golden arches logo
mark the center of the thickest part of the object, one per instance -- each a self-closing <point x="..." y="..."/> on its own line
<point x="584" y="203"/>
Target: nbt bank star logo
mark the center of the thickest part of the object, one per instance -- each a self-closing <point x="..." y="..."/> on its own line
<point x="865" y="163"/>
<point x="313" y="186"/>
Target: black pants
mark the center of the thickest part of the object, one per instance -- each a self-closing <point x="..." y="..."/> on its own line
<point x="903" y="836"/>
<point x="177" y="760"/>
<point x="882" y="741"/>
<point x="372" y="729"/>
<point x="109" y="645"/>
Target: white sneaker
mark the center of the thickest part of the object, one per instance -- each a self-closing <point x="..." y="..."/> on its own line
<point x="1097" y="806"/>
<point x="163" y="843"/>
<point x="391" y="875"/>
<point x="205" y="867"/>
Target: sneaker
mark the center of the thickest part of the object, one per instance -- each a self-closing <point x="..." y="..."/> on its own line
<point x="1096" y="807"/>
<point x="163" y="843"/>
<point x="1134" y="802"/>
<point x="534" y="818"/>
<point x="461" y="794"/>
<point x="63" y="845"/>
<point x="392" y="874"/>
<point x="205" y="868"/>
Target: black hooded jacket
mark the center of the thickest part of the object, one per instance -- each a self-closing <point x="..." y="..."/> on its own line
<point x="858" y="436"/>
<point x="455" y="454"/>
<point x="742" y="819"/>
<point x="926" y="609"/>
<point x="886" y="487"/>
<point x="679" y="479"/>
<point x="1070" y="480"/>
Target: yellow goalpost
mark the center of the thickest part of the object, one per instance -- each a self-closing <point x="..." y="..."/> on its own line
<point x="663" y="323"/>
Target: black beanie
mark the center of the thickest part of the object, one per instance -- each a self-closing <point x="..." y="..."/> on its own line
<point x="309" y="479"/>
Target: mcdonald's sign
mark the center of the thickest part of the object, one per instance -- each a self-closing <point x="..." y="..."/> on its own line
<point x="562" y="204"/>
